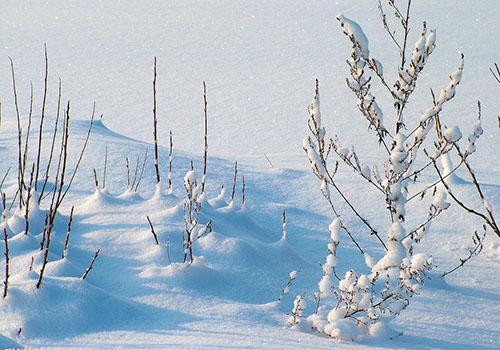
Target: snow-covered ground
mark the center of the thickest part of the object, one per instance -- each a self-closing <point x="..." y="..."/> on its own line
<point x="259" y="60"/>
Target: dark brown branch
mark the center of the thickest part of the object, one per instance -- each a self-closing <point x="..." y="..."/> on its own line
<point x="68" y="233"/>
<point x="496" y="74"/>
<point x="89" y="130"/>
<point x="283" y="224"/>
<point x="127" y="165"/>
<point x="153" y="231"/>
<point x="478" y="247"/>
<point x="243" y="190"/>
<point x="383" y="17"/>
<point x="406" y="28"/>
<point x="6" y="249"/>
<point x="91" y="266"/>
<point x="28" y="198"/>
<point x="96" y="181"/>
<point x="155" y="132"/>
<point x="486" y="219"/>
<point x="4" y="177"/>
<point x="233" y="192"/>
<point x="47" y="233"/>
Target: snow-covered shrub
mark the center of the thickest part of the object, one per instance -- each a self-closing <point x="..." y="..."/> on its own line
<point x="192" y="208"/>
<point x="359" y="304"/>
<point x="299" y="305"/>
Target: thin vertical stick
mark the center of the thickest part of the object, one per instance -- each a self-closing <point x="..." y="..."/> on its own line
<point x="95" y="180"/>
<point x="127" y="165"/>
<point x="86" y="273"/>
<point x="47" y="169"/>
<point x="153" y="231"/>
<point x="135" y="173"/>
<point x="142" y="170"/>
<point x="283" y="225"/>
<point x="66" y="241"/>
<point x="80" y="157"/>
<point x="19" y="134"/>
<point x="39" y="151"/>
<point x="243" y="190"/>
<point x="269" y="161"/>
<point x="170" y="160"/>
<point x="26" y="142"/>
<point x="205" y="148"/>
<point x="155" y="132"/>
<point x="6" y="251"/>
<point x="47" y="236"/>
<point x="105" y="168"/>
<point x="234" y="180"/>
<point x="65" y="157"/>
<point x="28" y="197"/>
<point x="42" y="242"/>
<point x="4" y="177"/>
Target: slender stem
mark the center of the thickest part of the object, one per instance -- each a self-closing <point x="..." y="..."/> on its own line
<point x="155" y="121"/>
<point x="39" y="151"/>
<point x="205" y="148"/>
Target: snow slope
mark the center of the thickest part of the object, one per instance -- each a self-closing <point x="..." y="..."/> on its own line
<point x="259" y="60"/>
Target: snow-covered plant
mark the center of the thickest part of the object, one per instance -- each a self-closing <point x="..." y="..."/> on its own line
<point x="292" y="276"/>
<point x="299" y="305"/>
<point x="192" y="208"/>
<point x="361" y="303"/>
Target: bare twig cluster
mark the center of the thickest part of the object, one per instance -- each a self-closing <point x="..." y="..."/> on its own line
<point x="33" y="176"/>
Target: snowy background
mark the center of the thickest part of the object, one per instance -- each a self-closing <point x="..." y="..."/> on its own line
<point x="259" y="59"/>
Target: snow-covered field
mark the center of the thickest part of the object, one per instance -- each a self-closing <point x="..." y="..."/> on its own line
<point x="259" y="60"/>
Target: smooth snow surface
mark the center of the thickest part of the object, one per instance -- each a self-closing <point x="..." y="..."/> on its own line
<point x="259" y="60"/>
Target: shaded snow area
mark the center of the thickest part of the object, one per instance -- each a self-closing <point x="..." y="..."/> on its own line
<point x="254" y="266"/>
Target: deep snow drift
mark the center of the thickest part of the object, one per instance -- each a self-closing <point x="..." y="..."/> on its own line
<point x="260" y="61"/>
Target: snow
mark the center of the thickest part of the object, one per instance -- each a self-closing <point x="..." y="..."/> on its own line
<point x="259" y="60"/>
